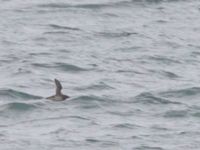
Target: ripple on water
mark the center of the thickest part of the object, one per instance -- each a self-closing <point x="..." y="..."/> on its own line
<point x="125" y="126"/>
<point x="65" y="5"/>
<point x="98" y="86"/>
<point x="18" y="106"/>
<point x="96" y="6"/>
<point x="91" y="101"/>
<point x="55" y="26"/>
<point x="115" y="34"/>
<point x="90" y="98"/>
<point x="101" y="142"/>
<point x="13" y="94"/>
<point x="148" y="148"/>
<point x="181" y="92"/>
<point x="130" y="49"/>
<point x="169" y="74"/>
<point x="70" y="67"/>
<point x="56" y="32"/>
<point x="149" y="98"/>
<point x="176" y="114"/>
<point x="164" y="60"/>
<point x="196" y="112"/>
<point x="60" y="66"/>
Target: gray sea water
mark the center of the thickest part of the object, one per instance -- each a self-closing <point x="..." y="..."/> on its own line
<point x="131" y="68"/>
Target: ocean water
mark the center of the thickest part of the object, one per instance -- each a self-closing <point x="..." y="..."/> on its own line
<point x="130" y="67"/>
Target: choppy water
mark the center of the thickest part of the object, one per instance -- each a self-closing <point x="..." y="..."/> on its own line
<point x="131" y="68"/>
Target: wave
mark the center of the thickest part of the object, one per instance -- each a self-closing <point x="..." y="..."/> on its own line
<point x="115" y="34"/>
<point x="61" y="66"/>
<point x="155" y="1"/>
<point x="103" y="143"/>
<point x="196" y="114"/>
<point x="176" y="113"/>
<point x="164" y="73"/>
<point x="169" y="74"/>
<point x="18" y="106"/>
<point x="98" y="86"/>
<point x="89" y="98"/>
<point x="36" y="54"/>
<point x="92" y="6"/>
<point x="78" y="117"/>
<point x="129" y="49"/>
<point x="194" y="111"/>
<point x="63" y="27"/>
<point x="91" y="101"/>
<point x="122" y="114"/>
<point x="149" y="1"/>
<point x="181" y="93"/>
<point x="149" y="98"/>
<point x="65" y="5"/>
<point x="56" y="32"/>
<point x="93" y="98"/>
<point x="13" y="94"/>
<point x="148" y="147"/>
<point x="125" y="126"/>
<point x="70" y="67"/>
<point x="85" y="6"/>
<point x="164" y="60"/>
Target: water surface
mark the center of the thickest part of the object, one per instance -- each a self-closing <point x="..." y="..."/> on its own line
<point x="130" y="67"/>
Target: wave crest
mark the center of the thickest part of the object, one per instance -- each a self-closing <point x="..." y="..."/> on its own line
<point x="13" y="94"/>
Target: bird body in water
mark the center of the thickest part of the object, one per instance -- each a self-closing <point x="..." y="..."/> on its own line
<point x="58" y="96"/>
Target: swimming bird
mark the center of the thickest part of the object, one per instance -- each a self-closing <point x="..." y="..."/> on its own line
<point x="59" y="96"/>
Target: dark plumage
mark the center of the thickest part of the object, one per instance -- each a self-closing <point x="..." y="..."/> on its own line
<point x="59" y="96"/>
